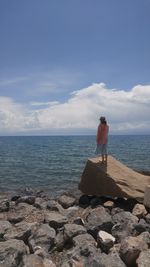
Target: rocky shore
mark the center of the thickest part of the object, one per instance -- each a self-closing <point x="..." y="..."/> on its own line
<point x="37" y="230"/>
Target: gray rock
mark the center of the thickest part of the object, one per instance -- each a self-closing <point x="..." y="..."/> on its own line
<point x="71" y="230"/>
<point x="20" y="212"/>
<point x="43" y="236"/>
<point x="4" y="205"/>
<point x="147" y="218"/>
<point x="53" y="205"/>
<point x="112" y="260"/>
<point x="145" y="236"/>
<point x="130" y="249"/>
<point x="12" y="252"/>
<point x="98" y="219"/>
<point x="84" y="240"/>
<point x="20" y="231"/>
<point x="40" y="203"/>
<point x="144" y="259"/>
<point x="124" y="224"/>
<point x="142" y="226"/>
<point x="139" y="210"/>
<point x="55" y="219"/>
<point x="26" y="199"/>
<point x="66" y="201"/>
<point x="4" y="226"/>
<point x="32" y="261"/>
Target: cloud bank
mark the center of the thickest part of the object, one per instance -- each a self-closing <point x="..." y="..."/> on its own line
<point x="126" y="111"/>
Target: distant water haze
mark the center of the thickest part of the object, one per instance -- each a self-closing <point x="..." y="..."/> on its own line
<point x="55" y="163"/>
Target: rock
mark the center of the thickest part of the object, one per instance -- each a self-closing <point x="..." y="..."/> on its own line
<point x="147" y="196"/>
<point x="139" y="210"/>
<point x="124" y="224"/>
<point x="145" y="236"/>
<point x="4" y="205"/>
<point x="147" y="218"/>
<point x="142" y="226"/>
<point x="130" y="249"/>
<point x="115" y="179"/>
<point x="109" y="204"/>
<point x="48" y="263"/>
<point x="4" y="226"/>
<point x="43" y="236"/>
<point x="26" y="199"/>
<point x="55" y="219"/>
<point x="66" y="201"/>
<point x="40" y="203"/>
<point x="105" y="241"/>
<point x="20" y="212"/>
<point x="71" y="230"/>
<point x="144" y="259"/>
<point x="96" y="201"/>
<point x="84" y="201"/>
<point x="54" y="206"/>
<point x="32" y="261"/>
<point x="79" y="221"/>
<point x="84" y="240"/>
<point x="12" y="252"/>
<point x="98" y="219"/>
<point x="112" y="260"/>
<point x="19" y="231"/>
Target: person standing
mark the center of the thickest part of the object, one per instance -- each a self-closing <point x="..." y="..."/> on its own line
<point x="102" y="139"/>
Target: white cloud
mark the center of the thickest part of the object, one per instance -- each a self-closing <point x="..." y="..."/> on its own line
<point x="126" y="111"/>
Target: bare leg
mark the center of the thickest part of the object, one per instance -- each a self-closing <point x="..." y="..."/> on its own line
<point x="106" y="158"/>
<point x="103" y="158"/>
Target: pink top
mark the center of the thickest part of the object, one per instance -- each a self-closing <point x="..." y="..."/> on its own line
<point x="102" y="134"/>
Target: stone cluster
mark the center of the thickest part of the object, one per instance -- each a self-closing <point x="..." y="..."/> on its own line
<point x="67" y="231"/>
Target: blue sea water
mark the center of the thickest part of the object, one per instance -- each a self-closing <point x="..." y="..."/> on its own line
<point x="55" y="163"/>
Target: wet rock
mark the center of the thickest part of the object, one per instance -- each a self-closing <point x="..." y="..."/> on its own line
<point x="43" y="236"/>
<point x="4" y="205"/>
<point x="66" y="201"/>
<point x="105" y="241"/>
<point x="98" y="219"/>
<point x="12" y="252"/>
<point x="139" y="210"/>
<point x="130" y="249"/>
<point x="144" y="259"/>
<point x="55" y="219"/>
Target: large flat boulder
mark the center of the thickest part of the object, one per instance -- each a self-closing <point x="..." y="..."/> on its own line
<point x="114" y="179"/>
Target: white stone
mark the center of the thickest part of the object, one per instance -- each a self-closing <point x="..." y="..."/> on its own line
<point x="105" y="236"/>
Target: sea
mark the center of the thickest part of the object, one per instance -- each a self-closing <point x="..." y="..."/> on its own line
<point x="55" y="164"/>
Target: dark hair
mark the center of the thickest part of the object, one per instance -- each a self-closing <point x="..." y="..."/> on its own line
<point x="103" y="120"/>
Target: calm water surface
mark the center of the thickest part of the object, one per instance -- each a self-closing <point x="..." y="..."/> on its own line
<point x="55" y="163"/>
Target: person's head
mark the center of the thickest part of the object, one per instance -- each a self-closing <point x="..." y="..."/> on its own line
<point x="103" y="120"/>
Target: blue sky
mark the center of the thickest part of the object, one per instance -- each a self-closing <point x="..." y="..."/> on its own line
<point x="49" y="50"/>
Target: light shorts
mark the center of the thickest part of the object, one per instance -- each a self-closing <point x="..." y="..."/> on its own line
<point x="101" y="149"/>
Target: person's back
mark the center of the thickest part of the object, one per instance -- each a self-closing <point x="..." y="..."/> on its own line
<point x="102" y="139"/>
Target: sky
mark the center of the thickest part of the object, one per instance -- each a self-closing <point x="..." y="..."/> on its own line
<point x="65" y="63"/>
